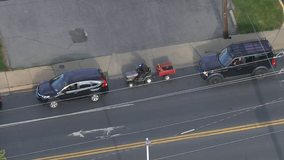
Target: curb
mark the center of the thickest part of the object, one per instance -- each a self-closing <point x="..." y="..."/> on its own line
<point x="231" y="8"/>
<point x="8" y="91"/>
<point x="233" y="18"/>
<point x="281" y="3"/>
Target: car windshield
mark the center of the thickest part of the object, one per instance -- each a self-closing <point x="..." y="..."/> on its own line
<point x="58" y="83"/>
<point x="224" y="57"/>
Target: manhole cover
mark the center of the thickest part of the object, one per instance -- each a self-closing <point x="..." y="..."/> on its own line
<point x="61" y="66"/>
<point x="78" y="35"/>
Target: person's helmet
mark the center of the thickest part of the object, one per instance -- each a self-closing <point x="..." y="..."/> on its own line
<point x="140" y="64"/>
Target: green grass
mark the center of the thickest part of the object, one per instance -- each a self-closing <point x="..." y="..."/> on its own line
<point x="265" y="15"/>
<point x="3" y="66"/>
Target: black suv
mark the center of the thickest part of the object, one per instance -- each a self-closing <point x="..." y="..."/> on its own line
<point x="250" y="57"/>
<point x="72" y="84"/>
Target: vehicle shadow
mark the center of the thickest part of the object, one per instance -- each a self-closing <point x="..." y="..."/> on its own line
<point x="133" y="63"/>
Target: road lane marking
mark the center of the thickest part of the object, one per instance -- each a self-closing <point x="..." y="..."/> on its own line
<point x="188" y="131"/>
<point x="106" y="132"/>
<point x="279" y="100"/>
<point x="219" y="145"/>
<point x="124" y="104"/>
<point x="65" y="115"/>
<point x="167" y="140"/>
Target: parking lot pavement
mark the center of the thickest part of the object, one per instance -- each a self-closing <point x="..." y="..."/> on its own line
<point x="38" y="32"/>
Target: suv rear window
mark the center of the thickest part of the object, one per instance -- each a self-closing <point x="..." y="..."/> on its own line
<point x="249" y="59"/>
<point x="85" y="84"/>
<point x="260" y="57"/>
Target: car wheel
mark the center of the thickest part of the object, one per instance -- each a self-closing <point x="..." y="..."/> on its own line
<point x="148" y="80"/>
<point x="167" y="77"/>
<point x="53" y="103"/>
<point x="130" y="84"/>
<point x="95" y="97"/>
<point x="215" y="80"/>
<point x="260" y="73"/>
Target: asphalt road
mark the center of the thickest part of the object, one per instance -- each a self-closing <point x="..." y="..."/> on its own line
<point x="37" y="32"/>
<point x="175" y="106"/>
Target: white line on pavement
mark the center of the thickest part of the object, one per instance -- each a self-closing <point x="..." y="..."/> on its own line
<point x="106" y="132"/>
<point x="65" y="115"/>
<point x="188" y="131"/>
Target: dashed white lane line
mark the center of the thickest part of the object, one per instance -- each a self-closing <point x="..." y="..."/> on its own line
<point x="65" y="115"/>
<point x="188" y="131"/>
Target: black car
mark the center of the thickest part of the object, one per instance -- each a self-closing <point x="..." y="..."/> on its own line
<point x="250" y="57"/>
<point x="74" y="84"/>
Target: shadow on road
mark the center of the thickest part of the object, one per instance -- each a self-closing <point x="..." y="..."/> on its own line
<point x="262" y="115"/>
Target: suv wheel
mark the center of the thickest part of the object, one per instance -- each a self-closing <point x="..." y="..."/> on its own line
<point x="53" y="103"/>
<point x="259" y="73"/>
<point x="215" y="80"/>
<point x="95" y="97"/>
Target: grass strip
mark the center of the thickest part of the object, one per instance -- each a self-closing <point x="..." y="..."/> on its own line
<point x="265" y="15"/>
<point x="3" y="66"/>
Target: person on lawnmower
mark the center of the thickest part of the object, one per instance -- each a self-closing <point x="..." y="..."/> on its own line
<point x="142" y="69"/>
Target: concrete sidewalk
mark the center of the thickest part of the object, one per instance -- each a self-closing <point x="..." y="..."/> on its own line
<point x="182" y="56"/>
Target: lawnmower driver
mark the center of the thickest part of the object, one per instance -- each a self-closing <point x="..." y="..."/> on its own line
<point x="142" y="69"/>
